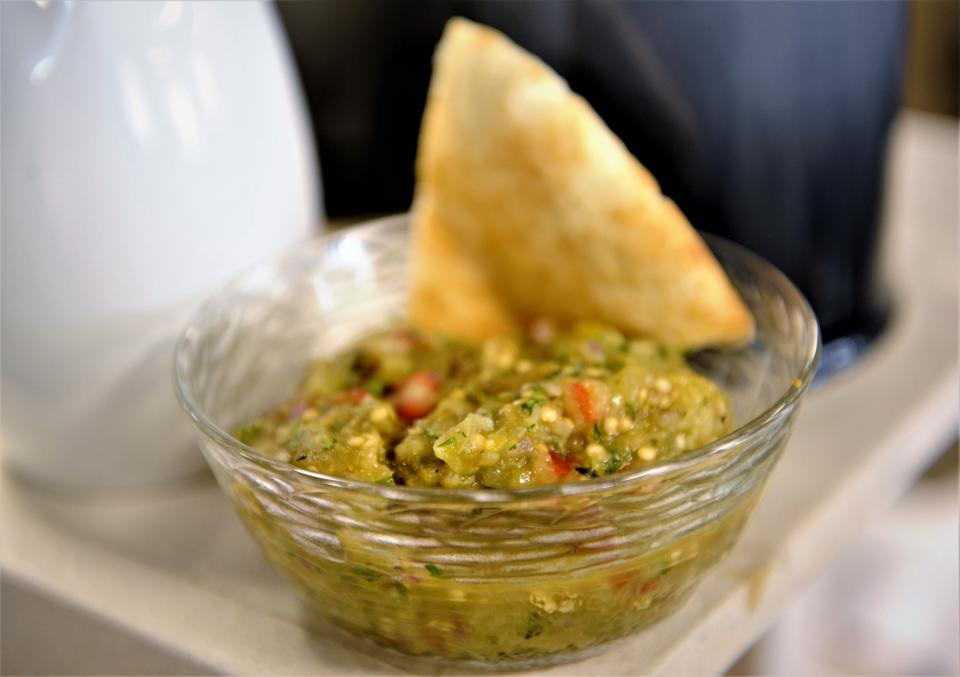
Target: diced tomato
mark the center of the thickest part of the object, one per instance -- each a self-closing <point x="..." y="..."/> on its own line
<point x="417" y="395"/>
<point x="586" y="401"/>
<point x="581" y="395"/>
<point x="629" y="578"/>
<point x="622" y="580"/>
<point x="356" y="395"/>
<point x="561" y="466"/>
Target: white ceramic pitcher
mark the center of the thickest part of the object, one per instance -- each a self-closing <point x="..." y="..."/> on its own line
<point x="150" y="151"/>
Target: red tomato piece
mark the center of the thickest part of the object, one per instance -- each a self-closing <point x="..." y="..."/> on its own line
<point x="622" y="580"/>
<point x="561" y="466"/>
<point x="586" y="401"/>
<point x="629" y="578"/>
<point x="581" y="394"/>
<point x="417" y="395"/>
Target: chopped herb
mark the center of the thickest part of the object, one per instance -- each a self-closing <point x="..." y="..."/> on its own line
<point x="613" y="465"/>
<point x="400" y="588"/>
<point x="625" y="347"/>
<point x="585" y="471"/>
<point x="597" y="434"/>
<point x="388" y="481"/>
<point x="249" y="433"/>
<point x="512" y="447"/>
<point x="429" y="435"/>
<point x="295" y="440"/>
<point x="447" y="442"/>
<point x="375" y="386"/>
<point x="330" y="444"/>
<point x="632" y="408"/>
<point x="364" y="572"/>
<point x="538" y="397"/>
<point x="534" y="625"/>
<point x="531" y="427"/>
<point x="492" y="639"/>
<point x="463" y="434"/>
<point x="434" y="570"/>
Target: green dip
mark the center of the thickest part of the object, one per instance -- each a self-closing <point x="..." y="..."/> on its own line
<point x="519" y="583"/>
<point x="407" y="409"/>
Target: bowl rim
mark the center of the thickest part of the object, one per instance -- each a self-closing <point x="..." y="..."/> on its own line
<point x="798" y="385"/>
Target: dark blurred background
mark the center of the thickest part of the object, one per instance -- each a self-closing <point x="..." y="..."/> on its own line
<point x="767" y="122"/>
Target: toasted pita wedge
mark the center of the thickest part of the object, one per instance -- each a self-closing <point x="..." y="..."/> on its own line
<point x="528" y="205"/>
<point x="451" y="294"/>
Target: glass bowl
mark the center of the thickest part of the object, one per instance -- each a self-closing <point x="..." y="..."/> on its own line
<point x="482" y="578"/>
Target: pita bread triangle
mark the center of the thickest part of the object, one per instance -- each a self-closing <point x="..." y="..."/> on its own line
<point x="528" y="205"/>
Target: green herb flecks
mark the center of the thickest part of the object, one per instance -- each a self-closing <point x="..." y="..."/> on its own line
<point x="434" y="570"/>
<point x="375" y="386"/>
<point x="249" y="433"/>
<point x="534" y="625"/>
<point x="535" y="400"/>
<point x="368" y="574"/>
<point x="613" y="465"/>
<point x="294" y="441"/>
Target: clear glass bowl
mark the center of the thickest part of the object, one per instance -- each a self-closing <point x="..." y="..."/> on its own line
<point x="490" y="578"/>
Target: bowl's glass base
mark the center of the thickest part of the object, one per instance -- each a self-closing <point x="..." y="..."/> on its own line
<point x="432" y="665"/>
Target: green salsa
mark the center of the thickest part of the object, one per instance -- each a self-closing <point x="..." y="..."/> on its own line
<point x="557" y="406"/>
<point x="510" y="582"/>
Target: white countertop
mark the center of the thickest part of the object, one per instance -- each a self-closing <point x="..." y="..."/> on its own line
<point x="168" y="581"/>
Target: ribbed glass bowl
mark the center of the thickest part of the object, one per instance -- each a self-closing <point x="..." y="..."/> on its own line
<point x="516" y="578"/>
